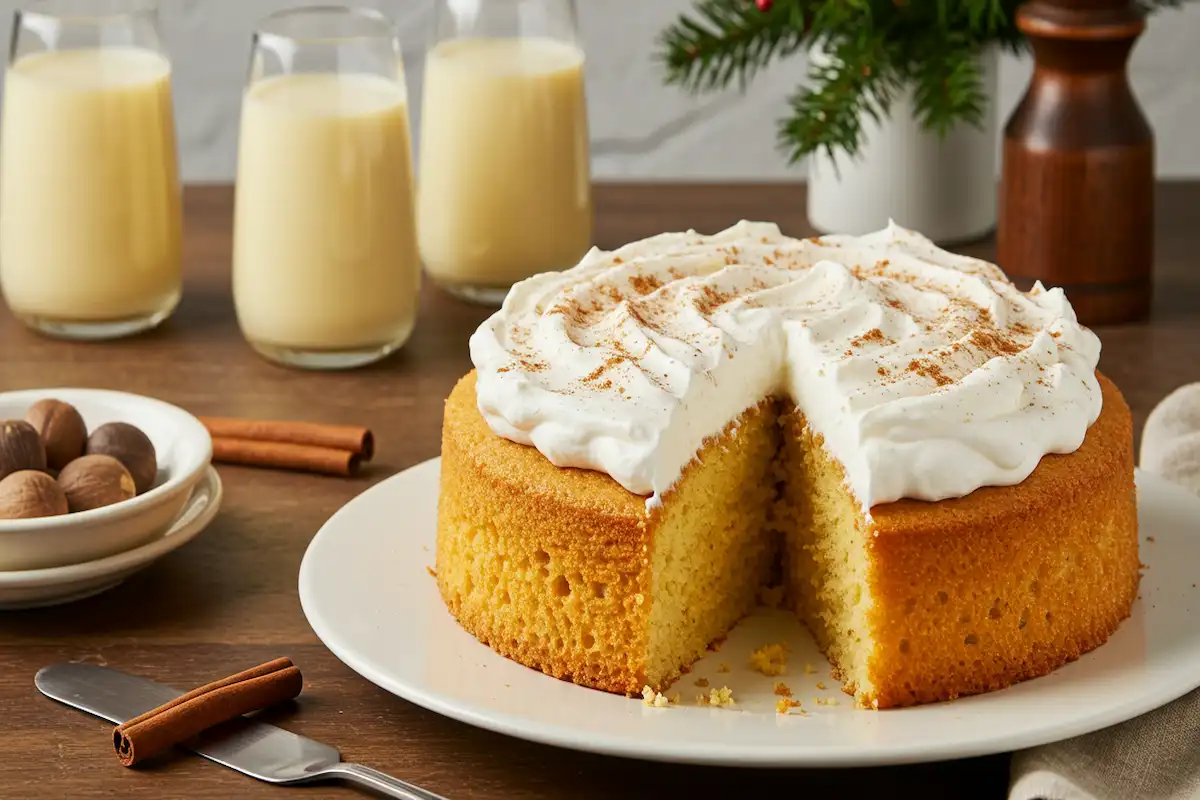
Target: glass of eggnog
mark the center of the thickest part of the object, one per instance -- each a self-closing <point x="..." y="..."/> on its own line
<point x="504" y="188"/>
<point x="325" y="263"/>
<point x="90" y="205"/>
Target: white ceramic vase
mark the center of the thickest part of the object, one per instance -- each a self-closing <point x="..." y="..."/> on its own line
<point x="944" y="188"/>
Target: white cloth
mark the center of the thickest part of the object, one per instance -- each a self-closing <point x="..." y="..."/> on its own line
<point x="1155" y="756"/>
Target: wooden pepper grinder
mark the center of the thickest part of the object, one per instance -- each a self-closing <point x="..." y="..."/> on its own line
<point x="1077" y="188"/>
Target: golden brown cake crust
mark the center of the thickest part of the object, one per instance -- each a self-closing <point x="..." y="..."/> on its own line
<point x="970" y="595"/>
<point x="1007" y="583"/>
<point x="505" y="511"/>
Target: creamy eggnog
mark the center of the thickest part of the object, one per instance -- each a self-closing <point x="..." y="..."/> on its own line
<point x="325" y="255"/>
<point x="503" y="191"/>
<point x="90" y="217"/>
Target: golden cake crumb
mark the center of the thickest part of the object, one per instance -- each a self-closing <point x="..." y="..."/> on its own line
<point x="722" y="667"/>
<point x="809" y="669"/>
<point x="820" y="684"/>
<point x="431" y="571"/>
<point x="825" y="701"/>
<point x="771" y="596"/>
<point x="702" y="682"/>
<point x="653" y="698"/>
<point x="783" y="690"/>
<point x="722" y="698"/>
<point x="770" y="659"/>
<point x="786" y="704"/>
<point x="674" y="698"/>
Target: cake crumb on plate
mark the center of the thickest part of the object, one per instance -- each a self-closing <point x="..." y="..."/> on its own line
<point x="653" y="698"/>
<point x="722" y="698"/>
<point x="786" y="704"/>
<point x="770" y="659"/>
<point x="702" y="682"/>
<point x="783" y="690"/>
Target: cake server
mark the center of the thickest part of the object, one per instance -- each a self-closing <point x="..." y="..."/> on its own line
<point x="253" y="748"/>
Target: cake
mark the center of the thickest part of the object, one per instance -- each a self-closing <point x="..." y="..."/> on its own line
<point x="923" y="456"/>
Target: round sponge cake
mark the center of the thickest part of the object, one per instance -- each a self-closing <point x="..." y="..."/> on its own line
<point x="565" y="571"/>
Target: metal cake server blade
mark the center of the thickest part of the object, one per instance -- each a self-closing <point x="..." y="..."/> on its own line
<point x="253" y="748"/>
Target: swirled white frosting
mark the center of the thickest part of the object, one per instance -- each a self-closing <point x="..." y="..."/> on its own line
<point x="928" y="374"/>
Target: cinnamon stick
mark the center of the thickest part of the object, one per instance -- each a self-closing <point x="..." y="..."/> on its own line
<point x="191" y="714"/>
<point x="354" y="438"/>
<point x="282" y="455"/>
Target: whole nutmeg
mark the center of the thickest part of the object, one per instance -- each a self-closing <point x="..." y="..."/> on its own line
<point x="94" y="482"/>
<point x="130" y="446"/>
<point x="29" y="494"/>
<point x="20" y="448"/>
<point x="62" y="430"/>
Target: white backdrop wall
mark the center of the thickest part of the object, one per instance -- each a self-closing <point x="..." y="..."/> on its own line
<point x="641" y="130"/>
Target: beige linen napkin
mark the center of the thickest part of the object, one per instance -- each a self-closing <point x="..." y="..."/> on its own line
<point x="1155" y="756"/>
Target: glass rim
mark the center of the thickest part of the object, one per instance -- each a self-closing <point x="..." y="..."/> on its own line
<point x="385" y="26"/>
<point x="77" y="13"/>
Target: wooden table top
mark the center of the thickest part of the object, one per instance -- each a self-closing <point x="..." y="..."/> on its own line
<point x="228" y="600"/>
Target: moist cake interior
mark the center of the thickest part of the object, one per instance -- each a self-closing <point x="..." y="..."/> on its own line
<point x="719" y="541"/>
<point x="761" y="500"/>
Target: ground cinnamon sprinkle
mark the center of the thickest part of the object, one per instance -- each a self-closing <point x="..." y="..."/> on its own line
<point x="927" y="370"/>
<point x="533" y="366"/>
<point x="710" y="299"/>
<point x="994" y="344"/>
<point x="644" y="284"/>
<point x="874" y="336"/>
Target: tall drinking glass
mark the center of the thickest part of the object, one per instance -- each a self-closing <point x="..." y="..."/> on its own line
<point x="504" y="187"/>
<point x="325" y="264"/>
<point x="90" y="207"/>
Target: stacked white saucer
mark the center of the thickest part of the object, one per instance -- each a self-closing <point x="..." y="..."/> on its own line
<point x="49" y="560"/>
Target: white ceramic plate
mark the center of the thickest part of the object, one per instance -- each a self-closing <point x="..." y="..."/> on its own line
<point x="54" y="585"/>
<point x="367" y="593"/>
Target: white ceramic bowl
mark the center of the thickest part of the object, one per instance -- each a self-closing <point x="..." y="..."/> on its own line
<point x="33" y="588"/>
<point x="183" y="448"/>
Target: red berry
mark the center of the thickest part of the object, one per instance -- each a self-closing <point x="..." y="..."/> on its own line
<point x="764" y="5"/>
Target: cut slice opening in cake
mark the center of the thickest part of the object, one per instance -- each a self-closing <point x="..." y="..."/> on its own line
<point x="712" y="550"/>
<point x="826" y="564"/>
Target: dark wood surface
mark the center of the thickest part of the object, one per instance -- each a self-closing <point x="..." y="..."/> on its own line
<point x="228" y="599"/>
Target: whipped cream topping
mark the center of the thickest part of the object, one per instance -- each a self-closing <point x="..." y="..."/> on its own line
<point x="928" y="374"/>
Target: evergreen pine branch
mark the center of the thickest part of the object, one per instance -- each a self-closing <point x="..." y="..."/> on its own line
<point x="728" y="39"/>
<point x="854" y="82"/>
<point x="948" y="87"/>
<point x="878" y="47"/>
